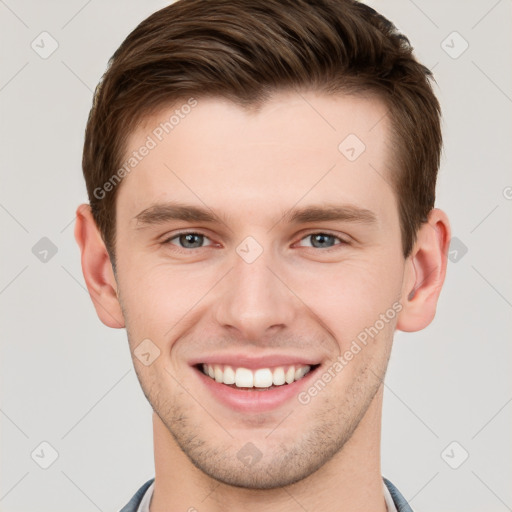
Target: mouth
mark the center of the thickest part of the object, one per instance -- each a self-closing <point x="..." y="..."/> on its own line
<point x="255" y="389"/>
<point x="260" y="379"/>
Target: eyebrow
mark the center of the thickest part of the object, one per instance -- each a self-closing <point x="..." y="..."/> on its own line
<point x="161" y="213"/>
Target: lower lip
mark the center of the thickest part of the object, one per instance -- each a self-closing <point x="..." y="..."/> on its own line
<point x="252" y="400"/>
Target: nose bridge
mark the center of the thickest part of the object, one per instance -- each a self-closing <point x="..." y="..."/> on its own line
<point x="253" y="298"/>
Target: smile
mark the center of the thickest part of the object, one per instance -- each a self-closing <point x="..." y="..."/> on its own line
<point x="259" y="379"/>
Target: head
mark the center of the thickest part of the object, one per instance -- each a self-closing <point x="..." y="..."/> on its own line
<point x="261" y="178"/>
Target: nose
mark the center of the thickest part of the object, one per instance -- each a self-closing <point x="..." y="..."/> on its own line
<point x="254" y="298"/>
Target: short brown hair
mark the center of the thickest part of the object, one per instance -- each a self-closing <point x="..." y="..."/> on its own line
<point x="244" y="50"/>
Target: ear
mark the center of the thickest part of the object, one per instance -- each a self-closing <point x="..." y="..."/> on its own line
<point x="97" y="269"/>
<point x="425" y="272"/>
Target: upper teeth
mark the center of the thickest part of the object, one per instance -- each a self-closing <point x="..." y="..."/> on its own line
<point x="260" y="378"/>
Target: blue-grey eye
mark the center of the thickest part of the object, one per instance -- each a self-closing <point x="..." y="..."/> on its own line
<point x="322" y="240"/>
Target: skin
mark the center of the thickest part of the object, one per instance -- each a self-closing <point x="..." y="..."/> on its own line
<point x="250" y="166"/>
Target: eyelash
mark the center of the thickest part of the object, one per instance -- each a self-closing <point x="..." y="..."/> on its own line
<point x="182" y="249"/>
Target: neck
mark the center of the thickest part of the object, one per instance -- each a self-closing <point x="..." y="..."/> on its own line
<point x="351" y="480"/>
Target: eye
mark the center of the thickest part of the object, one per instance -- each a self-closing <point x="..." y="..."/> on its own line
<point x="323" y="240"/>
<point x="188" y="240"/>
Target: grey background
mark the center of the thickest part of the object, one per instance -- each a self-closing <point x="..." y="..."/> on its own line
<point x="68" y="380"/>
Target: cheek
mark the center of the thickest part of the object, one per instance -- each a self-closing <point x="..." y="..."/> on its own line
<point x="350" y="297"/>
<point x="159" y="299"/>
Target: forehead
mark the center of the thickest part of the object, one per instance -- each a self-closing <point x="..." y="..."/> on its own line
<point x="296" y="147"/>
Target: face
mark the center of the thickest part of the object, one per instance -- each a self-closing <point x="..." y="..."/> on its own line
<point x="252" y="242"/>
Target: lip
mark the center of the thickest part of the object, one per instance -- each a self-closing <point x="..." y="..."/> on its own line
<point x="253" y="363"/>
<point x="254" y="401"/>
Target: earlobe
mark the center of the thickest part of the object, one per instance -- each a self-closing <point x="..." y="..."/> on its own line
<point x="426" y="268"/>
<point x="97" y="269"/>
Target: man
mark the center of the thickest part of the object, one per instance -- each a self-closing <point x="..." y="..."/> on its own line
<point x="261" y="176"/>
